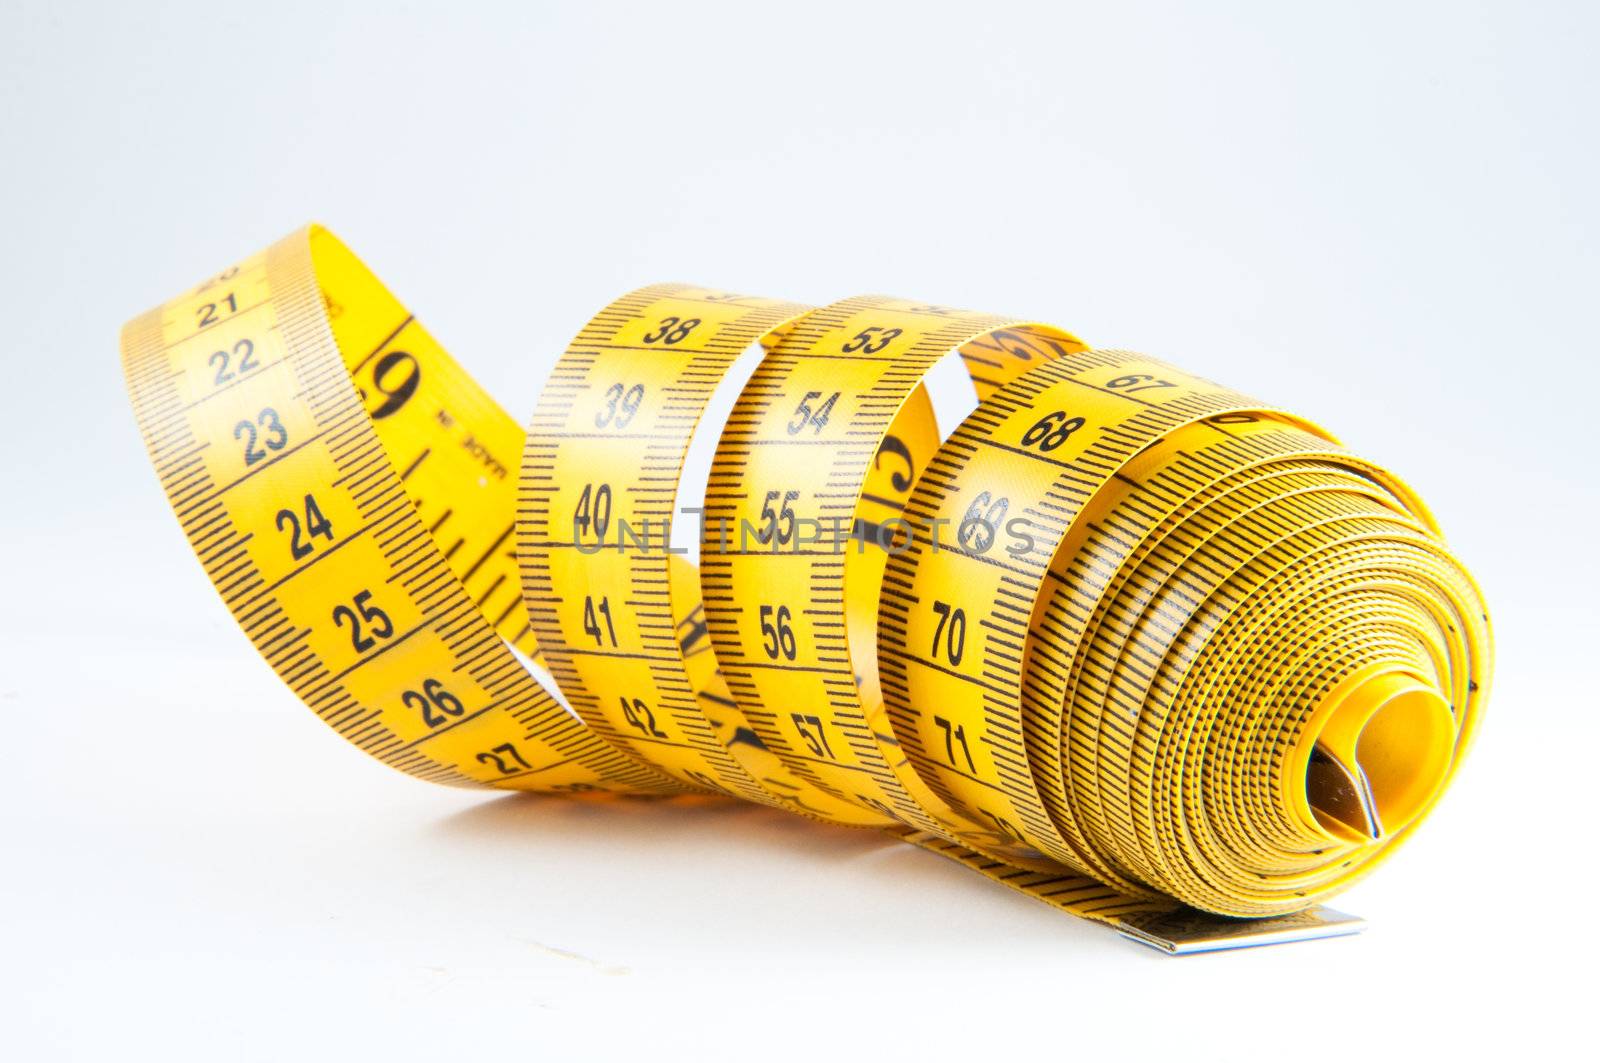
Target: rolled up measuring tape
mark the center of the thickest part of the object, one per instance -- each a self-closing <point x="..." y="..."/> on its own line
<point x="1127" y="641"/>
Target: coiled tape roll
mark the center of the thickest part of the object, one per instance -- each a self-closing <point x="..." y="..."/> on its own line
<point x="1128" y="641"/>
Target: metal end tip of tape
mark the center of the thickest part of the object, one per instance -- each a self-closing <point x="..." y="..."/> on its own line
<point x="1341" y="792"/>
<point x="1187" y="931"/>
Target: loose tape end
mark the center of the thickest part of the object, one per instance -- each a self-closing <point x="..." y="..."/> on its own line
<point x="1188" y="931"/>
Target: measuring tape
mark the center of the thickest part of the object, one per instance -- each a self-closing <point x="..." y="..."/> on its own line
<point x="1127" y="641"/>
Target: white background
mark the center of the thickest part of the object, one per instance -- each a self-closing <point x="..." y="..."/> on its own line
<point x="1380" y="215"/>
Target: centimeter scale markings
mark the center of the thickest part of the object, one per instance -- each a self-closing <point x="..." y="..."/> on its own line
<point x="781" y="620"/>
<point x="1075" y="423"/>
<point x="1126" y="641"/>
<point x="601" y="469"/>
<point x="286" y="491"/>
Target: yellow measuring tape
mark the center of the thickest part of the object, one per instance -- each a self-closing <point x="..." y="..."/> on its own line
<point x="1128" y="641"/>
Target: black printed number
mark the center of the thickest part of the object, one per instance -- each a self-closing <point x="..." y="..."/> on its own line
<point x="245" y="351"/>
<point x="315" y="524"/>
<point x="978" y="527"/>
<point x="437" y="705"/>
<point x="952" y="631"/>
<point x="366" y="621"/>
<point x="810" y="728"/>
<point x="593" y="512"/>
<point x="954" y="736"/>
<point x="1004" y="827"/>
<point x="1138" y="382"/>
<point x="396" y="376"/>
<point x="221" y="278"/>
<point x="621" y="404"/>
<point x="895" y="447"/>
<point x="777" y="635"/>
<point x="670" y="330"/>
<point x="638" y="714"/>
<point x="1051" y="430"/>
<point x="505" y="758"/>
<point x="211" y="313"/>
<point x="592" y="615"/>
<point x="275" y="435"/>
<point x="777" y="524"/>
<point x="805" y="415"/>
<point x="871" y="340"/>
